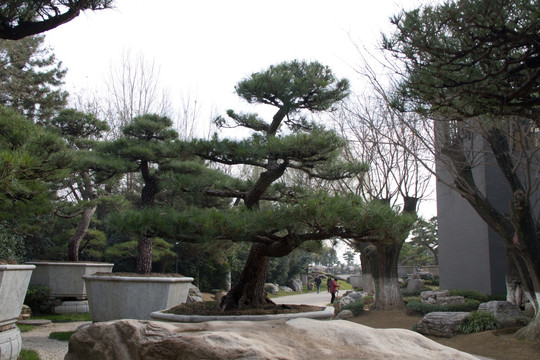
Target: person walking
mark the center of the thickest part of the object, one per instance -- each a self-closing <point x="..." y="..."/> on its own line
<point x="318" y="283"/>
<point x="328" y="283"/>
<point x="333" y="289"/>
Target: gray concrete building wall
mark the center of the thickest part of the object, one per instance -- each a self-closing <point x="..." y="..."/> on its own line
<point x="471" y="255"/>
<point x="464" y="244"/>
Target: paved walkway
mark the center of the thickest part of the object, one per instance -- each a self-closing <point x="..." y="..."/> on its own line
<point x="321" y="299"/>
<point x="49" y="349"/>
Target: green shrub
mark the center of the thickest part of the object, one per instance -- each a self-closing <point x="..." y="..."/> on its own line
<point x="37" y="298"/>
<point x="415" y="307"/>
<point x="478" y="322"/>
<point x="356" y="307"/>
<point x="497" y="297"/>
<point x="470" y="294"/>
<point x="368" y="299"/>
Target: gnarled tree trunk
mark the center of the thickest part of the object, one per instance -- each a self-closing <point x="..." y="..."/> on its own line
<point x="75" y="240"/>
<point x="248" y="291"/>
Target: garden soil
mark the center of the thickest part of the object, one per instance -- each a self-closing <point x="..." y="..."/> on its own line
<point x="497" y="344"/>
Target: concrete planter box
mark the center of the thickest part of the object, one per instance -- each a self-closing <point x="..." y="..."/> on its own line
<point x="326" y="314"/>
<point x="64" y="278"/>
<point x="113" y="297"/>
<point x="14" y="281"/>
<point x="356" y="281"/>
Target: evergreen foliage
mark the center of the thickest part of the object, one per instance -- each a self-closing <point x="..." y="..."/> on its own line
<point x="31" y="79"/>
<point x="470" y="57"/>
<point x="32" y="160"/>
<point x="21" y="18"/>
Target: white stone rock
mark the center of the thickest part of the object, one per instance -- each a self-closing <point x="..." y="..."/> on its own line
<point x="346" y="301"/>
<point x="271" y="288"/>
<point x="296" y="339"/>
<point x="357" y="294"/>
<point x="296" y="284"/>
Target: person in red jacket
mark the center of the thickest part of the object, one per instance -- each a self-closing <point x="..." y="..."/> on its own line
<point x="333" y="289"/>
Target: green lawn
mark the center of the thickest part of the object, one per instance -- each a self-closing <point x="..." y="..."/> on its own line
<point x="28" y="355"/>
<point x="59" y="318"/>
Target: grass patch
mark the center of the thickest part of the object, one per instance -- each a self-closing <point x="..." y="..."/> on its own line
<point x="478" y="322"/>
<point x="344" y="286"/>
<point x="28" y="355"/>
<point x="25" y="328"/>
<point x="61" y="335"/>
<point x="61" y="318"/>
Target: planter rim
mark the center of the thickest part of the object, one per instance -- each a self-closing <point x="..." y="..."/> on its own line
<point x="70" y="263"/>
<point x="17" y="267"/>
<point x="326" y="313"/>
<point x="137" y="278"/>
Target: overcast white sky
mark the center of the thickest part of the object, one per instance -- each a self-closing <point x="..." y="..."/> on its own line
<point x="204" y="47"/>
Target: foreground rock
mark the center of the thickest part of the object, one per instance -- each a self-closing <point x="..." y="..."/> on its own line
<point x="280" y="339"/>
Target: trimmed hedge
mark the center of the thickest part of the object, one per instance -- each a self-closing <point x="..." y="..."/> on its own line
<point x="415" y="307"/>
<point x="472" y="294"/>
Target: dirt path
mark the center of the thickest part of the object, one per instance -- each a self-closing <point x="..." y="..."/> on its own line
<point x="497" y="345"/>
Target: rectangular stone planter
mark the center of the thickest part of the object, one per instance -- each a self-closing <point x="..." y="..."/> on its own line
<point x="14" y="281"/>
<point x="64" y="278"/>
<point x="133" y="297"/>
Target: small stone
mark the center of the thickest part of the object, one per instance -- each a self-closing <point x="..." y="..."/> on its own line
<point x="26" y="313"/>
<point x="345" y="314"/>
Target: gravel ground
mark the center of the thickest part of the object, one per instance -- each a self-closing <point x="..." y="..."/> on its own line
<point x="49" y="349"/>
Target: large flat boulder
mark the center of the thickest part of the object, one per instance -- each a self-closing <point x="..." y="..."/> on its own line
<point x="442" y="324"/>
<point x="279" y="339"/>
<point x="507" y="313"/>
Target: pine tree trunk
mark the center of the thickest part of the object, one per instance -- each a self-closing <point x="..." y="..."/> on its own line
<point x="75" y="240"/>
<point x="383" y="260"/>
<point x="144" y="255"/>
<point x="367" y="279"/>
<point x="248" y="291"/>
<point x="148" y="194"/>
